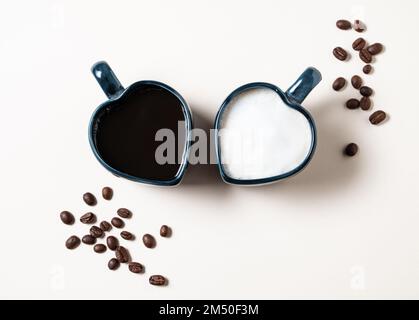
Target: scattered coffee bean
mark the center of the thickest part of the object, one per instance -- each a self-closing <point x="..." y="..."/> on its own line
<point x="157" y="280"/>
<point x="112" y="243"/>
<point x="105" y="226"/>
<point x="339" y="83"/>
<point x="340" y="53"/>
<point x="99" y="248"/>
<point x="375" y="48"/>
<point x="351" y="149"/>
<point x="165" y="231"/>
<point x="124" y="213"/>
<point x="90" y="199"/>
<point x="117" y="222"/>
<point x="359" y="44"/>
<point x="352" y="104"/>
<point x="107" y="193"/>
<point x="149" y="241"/>
<point x="365" y="56"/>
<point x="72" y="243"/>
<point x="343" y="24"/>
<point x="113" y="264"/>
<point x="356" y="82"/>
<point x="127" y="235"/>
<point x="135" y="267"/>
<point x="365" y="103"/>
<point x="96" y="232"/>
<point x="88" y="239"/>
<point x="67" y="217"/>
<point x="377" y="117"/>
<point x="122" y="254"/>
<point x="359" y="26"/>
<point x="367" y="69"/>
<point x="88" y="218"/>
<point x="366" y="91"/>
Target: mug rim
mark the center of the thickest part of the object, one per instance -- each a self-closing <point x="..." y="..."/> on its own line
<point x="290" y="104"/>
<point x="188" y="127"/>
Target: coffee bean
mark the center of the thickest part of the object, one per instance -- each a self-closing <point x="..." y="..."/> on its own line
<point x="90" y="199"/>
<point x="352" y="104"/>
<point x="72" y="243"/>
<point x="343" y="24"/>
<point x="340" y="53"/>
<point x="359" y="26"/>
<point x="113" y="264"/>
<point x="88" y="218"/>
<point x="88" y="239"/>
<point x="365" y="56"/>
<point x="127" y="235"/>
<point x="157" y="280"/>
<point x="112" y="243"/>
<point x="124" y="213"/>
<point x="96" y="232"/>
<point x="365" y="103"/>
<point x="105" y="226"/>
<point x="359" y="44"/>
<point x="375" y="48"/>
<point x="351" y="149"/>
<point x="366" y="91"/>
<point x="117" y="222"/>
<point x="356" y="82"/>
<point x="135" y="267"/>
<point x="122" y="254"/>
<point x="149" y="241"/>
<point x="339" y="83"/>
<point x="99" y="248"/>
<point x="107" y="193"/>
<point x="377" y="117"/>
<point x="367" y="69"/>
<point x="67" y="217"/>
<point x="165" y="231"/>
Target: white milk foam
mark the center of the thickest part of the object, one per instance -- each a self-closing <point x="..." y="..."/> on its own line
<point x="261" y="136"/>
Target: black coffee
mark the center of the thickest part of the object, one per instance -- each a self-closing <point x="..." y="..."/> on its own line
<point x="125" y="132"/>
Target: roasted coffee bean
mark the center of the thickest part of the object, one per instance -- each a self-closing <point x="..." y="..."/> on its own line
<point x="356" y="82"/>
<point x="96" y="232"/>
<point x="359" y="26"/>
<point x="88" y="239"/>
<point x="122" y="254"/>
<point x="90" y="199"/>
<point x="165" y="231"/>
<point x="105" y="226"/>
<point x="99" y="248"/>
<point x="88" y="218"/>
<point x="117" y="222"/>
<point x="157" y="280"/>
<point x="127" y="235"/>
<point x="135" y="267"/>
<point x="339" y="83"/>
<point x="366" y="91"/>
<point x="351" y="149"/>
<point x="113" y="264"/>
<point x="365" y="103"/>
<point x="112" y="243"/>
<point x="340" y="53"/>
<point x="72" y="243"/>
<point x="149" y="241"/>
<point x="343" y="24"/>
<point x="352" y="104"/>
<point x="124" y="213"/>
<point x="359" y="44"/>
<point x="375" y="48"/>
<point x="107" y="193"/>
<point x="67" y="217"/>
<point x="377" y="117"/>
<point x="367" y="69"/>
<point x="365" y="56"/>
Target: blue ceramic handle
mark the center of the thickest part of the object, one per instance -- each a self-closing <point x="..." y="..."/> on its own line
<point x="107" y="79"/>
<point x="309" y="79"/>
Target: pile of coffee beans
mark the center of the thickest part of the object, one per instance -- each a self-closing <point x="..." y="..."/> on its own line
<point x="122" y="255"/>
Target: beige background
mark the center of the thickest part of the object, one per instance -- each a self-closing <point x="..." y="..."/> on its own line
<point x="344" y="228"/>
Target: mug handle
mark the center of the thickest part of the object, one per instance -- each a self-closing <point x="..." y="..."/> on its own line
<point x="308" y="80"/>
<point x="107" y="79"/>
